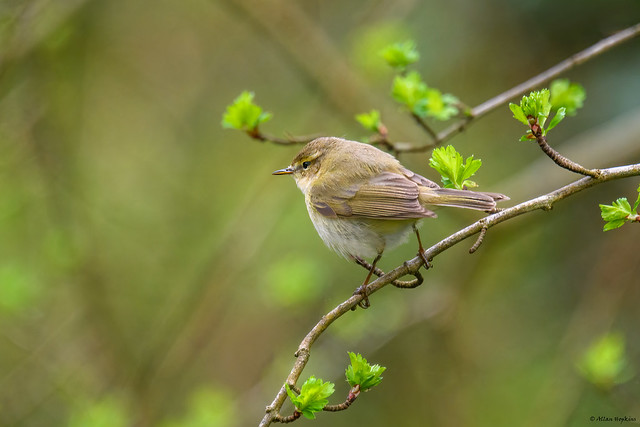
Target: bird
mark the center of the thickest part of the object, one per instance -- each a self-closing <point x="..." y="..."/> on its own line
<point x="362" y="201"/>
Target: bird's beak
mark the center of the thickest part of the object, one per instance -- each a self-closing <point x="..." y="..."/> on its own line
<point x="286" y="171"/>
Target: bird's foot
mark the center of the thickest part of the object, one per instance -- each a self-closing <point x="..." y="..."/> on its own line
<point x="364" y="302"/>
<point x="423" y="255"/>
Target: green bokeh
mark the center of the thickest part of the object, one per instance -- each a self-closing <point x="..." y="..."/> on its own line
<point x="154" y="272"/>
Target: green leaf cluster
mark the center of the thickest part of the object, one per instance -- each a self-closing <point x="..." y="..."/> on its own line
<point x="400" y="55"/>
<point x="243" y="114"/>
<point x="313" y="396"/>
<point x="565" y="94"/>
<point x="534" y="109"/>
<point x="370" y="121"/>
<point x="361" y="373"/>
<point x="454" y="171"/>
<point x="619" y="212"/>
<point x="422" y="100"/>
<point x="605" y="362"/>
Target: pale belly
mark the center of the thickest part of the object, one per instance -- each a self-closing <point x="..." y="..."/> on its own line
<point x="361" y="237"/>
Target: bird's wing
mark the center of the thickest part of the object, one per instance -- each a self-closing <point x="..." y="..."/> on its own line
<point x="419" y="179"/>
<point x="388" y="195"/>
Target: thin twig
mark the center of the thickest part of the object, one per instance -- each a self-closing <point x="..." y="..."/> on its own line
<point x="288" y="419"/>
<point x="289" y="140"/>
<point x="424" y="125"/>
<point x="562" y="67"/>
<point x="479" y="240"/>
<point x="561" y="160"/>
<point x="544" y="202"/>
<point x="353" y="395"/>
<point x="558" y="69"/>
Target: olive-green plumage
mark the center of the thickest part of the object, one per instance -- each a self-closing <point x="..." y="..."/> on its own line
<point x="362" y="201"/>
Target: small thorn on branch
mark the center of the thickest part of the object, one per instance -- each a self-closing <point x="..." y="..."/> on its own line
<point x="479" y="240"/>
<point x="301" y="352"/>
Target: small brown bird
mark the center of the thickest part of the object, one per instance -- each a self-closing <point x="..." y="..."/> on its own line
<point x="362" y="201"/>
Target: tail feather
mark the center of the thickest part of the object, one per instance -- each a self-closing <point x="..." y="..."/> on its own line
<point x="460" y="198"/>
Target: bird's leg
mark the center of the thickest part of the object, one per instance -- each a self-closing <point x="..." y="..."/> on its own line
<point x="406" y="284"/>
<point x="421" y="253"/>
<point x="362" y="289"/>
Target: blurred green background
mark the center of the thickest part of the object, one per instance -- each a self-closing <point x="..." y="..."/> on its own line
<point x="154" y="273"/>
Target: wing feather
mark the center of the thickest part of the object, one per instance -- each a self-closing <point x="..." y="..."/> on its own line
<point x="388" y="195"/>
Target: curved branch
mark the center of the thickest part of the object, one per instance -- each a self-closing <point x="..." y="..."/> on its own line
<point x="561" y="160"/>
<point x="544" y="202"/>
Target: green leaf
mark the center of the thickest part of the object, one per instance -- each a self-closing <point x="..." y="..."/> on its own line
<point x="370" y="120"/>
<point x="616" y="214"/>
<point x="313" y="396"/>
<point x="620" y="209"/>
<point x="440" y="106"/>
<point x="526" y="137"/>
<point x="361" y="373"/>
<point x="557" y="118"/>
<point x="536" y="105"/>
<point x="291" y="394"/>
<point x="518" y="114"/>
<point x="565" y="94"/>
<point x="411" y="91"/>
<point x="449" y="164"/>
<point x="471" y="166"/>
<point x="605" y="363"/>
<point x="619" y="212"/>
<point x="400" y="55"/>
<point x="422" y="100"/>
<point x="612" y="225"/>
<point x="243" y="114"/>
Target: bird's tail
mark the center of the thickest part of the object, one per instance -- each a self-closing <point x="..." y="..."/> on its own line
<point x="460" y="198"/>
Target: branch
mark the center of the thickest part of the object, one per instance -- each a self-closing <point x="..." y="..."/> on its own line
<point x="544" y="202"/>
<point x="561" y="160"/>
<point x="289" y="140"/>
<point x="562" y="67"/>
<point x="397" y="283"/>
<point x="474" y="113"/>
<point x="353" y="395"/>
<point x="501" y="99"/>
<point x="426" y="128"/>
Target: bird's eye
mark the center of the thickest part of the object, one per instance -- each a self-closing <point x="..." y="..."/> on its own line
<point x="305" y="165"/>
